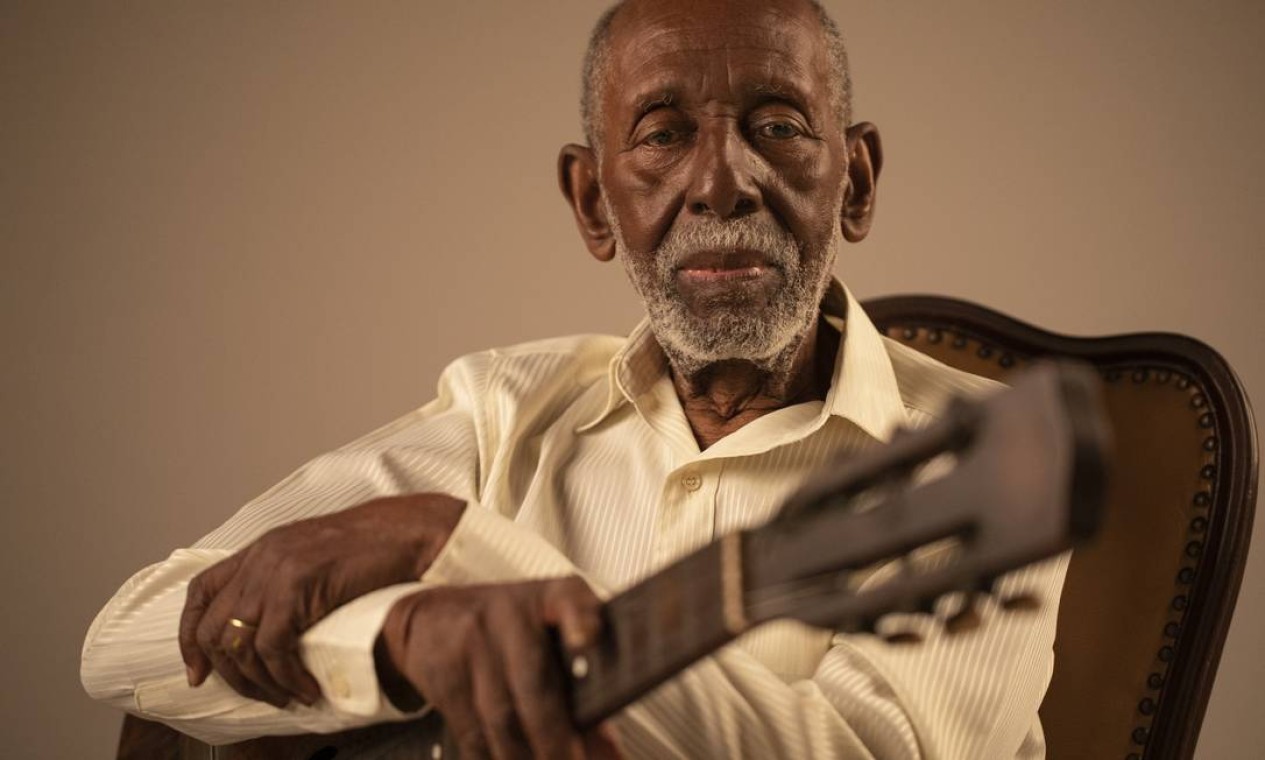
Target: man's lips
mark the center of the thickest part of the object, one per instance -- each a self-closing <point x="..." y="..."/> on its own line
<point x="707" y="267"/>
<point x="722" y="275"/>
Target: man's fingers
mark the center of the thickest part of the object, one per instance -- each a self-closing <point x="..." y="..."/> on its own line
<point x="535" y="681"/>
<point x="579" y="625"/>
<point x="602" y="743"/>
<point x="197" y="665"/>
<point x="494" y="672"/>
<point x="277" y="646"/>
<point x="570" y="605"/>
<point x="226" y="635"/>
<point x="461" y="721"/>
<point x="238" y="646"/>
<point x="202" y="591"/>
<point x="227" y="669"/>
<point x="438" y="667"/>
<point x="497" y="713"/>
<point x="239" y="612"/>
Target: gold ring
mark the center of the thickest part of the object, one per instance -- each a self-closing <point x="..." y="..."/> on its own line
<point x="236" y="644"/>
<point x="240" y="624"/>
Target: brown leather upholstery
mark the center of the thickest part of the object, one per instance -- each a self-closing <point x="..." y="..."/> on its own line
<point x="1145" y="609"/>
<point x="144" y="740"/>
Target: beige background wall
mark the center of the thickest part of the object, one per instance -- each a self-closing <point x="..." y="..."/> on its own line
<point x="236" y="234"/>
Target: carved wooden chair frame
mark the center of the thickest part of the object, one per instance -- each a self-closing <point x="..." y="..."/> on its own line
<point x="1170" y="709"/>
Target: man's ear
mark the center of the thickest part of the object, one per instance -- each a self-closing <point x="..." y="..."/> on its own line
<point x="577" y="178"/>
<point x="865" y="161"/>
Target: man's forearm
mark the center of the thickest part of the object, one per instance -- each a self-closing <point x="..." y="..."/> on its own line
<point x="131" y="661"/>
<point x="131" y="658"/>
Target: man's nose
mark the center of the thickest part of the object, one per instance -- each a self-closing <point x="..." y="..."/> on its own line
<point x="723" y="183"/>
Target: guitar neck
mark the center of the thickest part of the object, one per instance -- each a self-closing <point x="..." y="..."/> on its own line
<point x="657" y="628"/>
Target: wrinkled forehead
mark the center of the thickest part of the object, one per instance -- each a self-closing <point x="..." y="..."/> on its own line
<point x="725" y="44"/>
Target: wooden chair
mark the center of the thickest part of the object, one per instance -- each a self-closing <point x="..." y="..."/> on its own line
<point x="1145" y="610"/>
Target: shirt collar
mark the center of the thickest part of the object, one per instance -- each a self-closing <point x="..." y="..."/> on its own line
<point x="863" y="387"/>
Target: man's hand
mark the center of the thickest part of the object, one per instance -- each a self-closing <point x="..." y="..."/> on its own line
<point x="485" y="658"/>
<point x="243" y="616"/>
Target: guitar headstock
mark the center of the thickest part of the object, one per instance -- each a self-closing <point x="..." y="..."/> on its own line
<point x="1027" y="481"/>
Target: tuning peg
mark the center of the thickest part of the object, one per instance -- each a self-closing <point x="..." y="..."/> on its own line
<point x="1020" y="603"/>
<point x="901" y="638"/>
<point x="965" y="619"/>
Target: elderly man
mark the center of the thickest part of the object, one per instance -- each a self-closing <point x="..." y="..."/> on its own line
<point x="425" y="564"/>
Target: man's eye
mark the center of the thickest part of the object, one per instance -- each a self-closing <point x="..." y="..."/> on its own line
<point x="779" y="130"/>
<point x="661" y="138"/>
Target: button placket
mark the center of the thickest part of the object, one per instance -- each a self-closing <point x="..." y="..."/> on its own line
<point x="696" y="521"/>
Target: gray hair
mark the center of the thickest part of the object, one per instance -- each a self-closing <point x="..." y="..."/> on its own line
<point x="597" y="64"/>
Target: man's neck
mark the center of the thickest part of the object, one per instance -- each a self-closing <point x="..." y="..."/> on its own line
<point x="722" y="397"/>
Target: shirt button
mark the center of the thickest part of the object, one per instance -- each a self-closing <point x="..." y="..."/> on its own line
<point x="692" y="482"/>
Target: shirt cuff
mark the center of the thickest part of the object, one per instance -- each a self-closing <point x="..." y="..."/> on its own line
<point x="338" y="652"/>
<point x="487" y="547"/>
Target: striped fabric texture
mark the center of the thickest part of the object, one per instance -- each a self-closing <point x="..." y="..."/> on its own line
<point x="574" y="457"/>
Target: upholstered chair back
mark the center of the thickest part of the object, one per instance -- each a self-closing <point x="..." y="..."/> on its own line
<point x="1145" y="609"/>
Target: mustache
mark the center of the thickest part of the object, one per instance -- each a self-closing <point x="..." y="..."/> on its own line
<point x="777" y="245"/>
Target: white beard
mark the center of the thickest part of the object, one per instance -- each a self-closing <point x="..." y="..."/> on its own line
<point x="769" y="337"/>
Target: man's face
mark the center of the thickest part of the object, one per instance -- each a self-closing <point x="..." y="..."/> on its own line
<point x="723" y="165"/>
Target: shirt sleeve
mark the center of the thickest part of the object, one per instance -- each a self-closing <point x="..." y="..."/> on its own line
<point x="131" y="656"/>
<point x="951" y="697"/>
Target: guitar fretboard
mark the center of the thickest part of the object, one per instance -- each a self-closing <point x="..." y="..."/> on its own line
<point x="654" y="630"/>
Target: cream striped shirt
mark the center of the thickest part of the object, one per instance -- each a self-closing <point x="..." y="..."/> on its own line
<point x="575" y="457"/>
